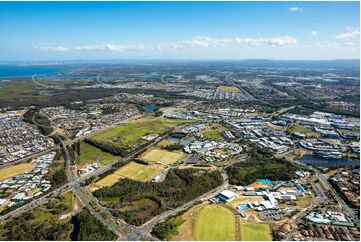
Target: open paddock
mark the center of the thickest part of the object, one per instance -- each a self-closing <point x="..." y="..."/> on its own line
<point x="132" y="170"/>
<point x="165" y="157"/>
<point x="130" y="135"/>
<point x="11" y="171"/>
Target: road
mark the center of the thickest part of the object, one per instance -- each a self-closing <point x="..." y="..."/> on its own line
<point x="121" y="233"/>
<point x="27" y="158"/>
<point x="353" y="213"/>
<point x="248" y="95"/>
<point x="124" y="230"/>
<point x="147" y="227"/>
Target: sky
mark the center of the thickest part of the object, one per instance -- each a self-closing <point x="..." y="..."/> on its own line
<point x="179" y="30"/>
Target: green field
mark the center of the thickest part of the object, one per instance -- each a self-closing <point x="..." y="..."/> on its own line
<point x="90" y="154"/>
<point x="18" y="89"/>
<point x="299" y="128"/>
<point x="255" y="232"/>
<point x="129" y="136"/>
<point x="212" y="134"/>
<point x="214" y="223"/>
<point x="302" y="129"/>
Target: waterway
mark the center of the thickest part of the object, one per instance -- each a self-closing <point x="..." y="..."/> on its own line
<point x="321" y="162"/>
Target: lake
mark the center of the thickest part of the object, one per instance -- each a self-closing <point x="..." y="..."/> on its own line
<point x="320" y="162"/>
<point x="149" y="108"/>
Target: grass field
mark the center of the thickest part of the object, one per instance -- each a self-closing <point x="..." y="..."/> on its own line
<point x="299" y="128"/>
<point x="90" y="154"/>
<point x="165" y="157"/>
<point x="67" y="199"/>
<point x="132" y="170"/>
<point x="214" y="223"/>
<point x="11" y="171"/>
<point x="18" y="89"/>
<point x="230" y="89"/>
<point x="165" y="143"/>
<point x="129" y="136"/>
<point x="212" y="134"/>
<point x="255" y="232"/>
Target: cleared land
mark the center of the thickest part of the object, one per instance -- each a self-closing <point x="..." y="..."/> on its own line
<point x="129" y="136"/>
<point x="231" y="89"/>
<point x="11" y="171"/>
<point x="255" y="232"/>
<point x="214" y="223"/>
<point x="90" y="154"/>
<point x="163" y="156"/>
<point x="133" y="171"/>
<point x="141" y="209"/>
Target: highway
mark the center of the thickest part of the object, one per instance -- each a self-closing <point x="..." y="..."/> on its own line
<point x="74" y="185"/>
<point x="148" y="226"/>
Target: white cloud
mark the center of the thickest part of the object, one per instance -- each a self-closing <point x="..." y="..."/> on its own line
<point x="314" y="33"/>
<point x="350" y="44"/>
<point x="196" y="42"/>
<point x="350" y="35"/>
<point x="295" y="9"/>
<point x="199" y="42"/>
<point x="336" y="45"/>
<point x="58" y="48"/>
<point x="110" y="47"/>
<point x="276" y="41"/>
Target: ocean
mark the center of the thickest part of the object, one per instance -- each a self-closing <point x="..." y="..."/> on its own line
<point x="9" y="71"/>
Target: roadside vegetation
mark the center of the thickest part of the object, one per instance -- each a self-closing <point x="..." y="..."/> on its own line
<point x="87" y="227"/>
<point x="41" y="223"/>
<point x="167" y="229"/>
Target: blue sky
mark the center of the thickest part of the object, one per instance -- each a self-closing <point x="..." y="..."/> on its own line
<point x="179" y="30"/>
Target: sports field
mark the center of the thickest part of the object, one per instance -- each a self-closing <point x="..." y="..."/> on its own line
<point x="90" y="154"/>
<point x="165" y="157"/>
<point x="132" y="170"/>
<point x="255" y="232"/>
<point x="214" y="223"/>
<point x="11" y="171"/>
<point x="129" y="136"/>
